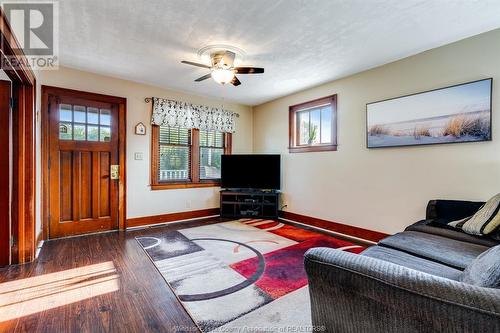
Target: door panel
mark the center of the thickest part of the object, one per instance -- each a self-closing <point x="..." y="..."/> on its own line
<point x="83" y="146"/>
<point x="104" y="189"/>
<point x="66" y="185"/>
<point x="86" y="168"/>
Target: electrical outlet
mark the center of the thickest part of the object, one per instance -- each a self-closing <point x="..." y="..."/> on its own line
<point x="138" y="156"/>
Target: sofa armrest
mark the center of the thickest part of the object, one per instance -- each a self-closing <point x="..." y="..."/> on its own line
<point x="451" y="210"/>
<point x="354" y="293"/>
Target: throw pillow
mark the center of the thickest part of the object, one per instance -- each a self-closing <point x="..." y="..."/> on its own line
<point x="484" y="271"/>
<point x="484" y="222"/>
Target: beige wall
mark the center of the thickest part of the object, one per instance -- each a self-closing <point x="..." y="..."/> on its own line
<point x="141" y="200"/>
<point x="387" y="189"/>
<point x="384" y="189"/>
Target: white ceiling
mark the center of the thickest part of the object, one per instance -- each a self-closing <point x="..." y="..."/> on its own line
<point x="301" y="43"/>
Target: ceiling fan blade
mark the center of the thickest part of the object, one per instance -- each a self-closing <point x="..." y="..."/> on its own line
<point x="249" y="70"/>
<point x="204" y="77"/>
<point x="195" y="64"/>
<point x="235" y="82"/>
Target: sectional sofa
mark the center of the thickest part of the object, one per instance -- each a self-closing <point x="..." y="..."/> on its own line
<point x="429" y="278"/>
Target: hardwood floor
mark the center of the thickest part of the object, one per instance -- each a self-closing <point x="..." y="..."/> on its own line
<point x="95" y="283"/>
<point x="129" y="294"/>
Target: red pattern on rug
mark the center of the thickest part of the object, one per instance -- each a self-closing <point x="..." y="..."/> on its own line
<point x="284" y="271"/>
<point x="290" y="232"/>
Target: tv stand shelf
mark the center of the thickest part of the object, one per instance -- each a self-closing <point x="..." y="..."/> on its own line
<point x="249" y="204"/>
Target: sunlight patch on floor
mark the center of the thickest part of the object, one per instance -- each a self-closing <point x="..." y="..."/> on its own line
<point x="23" y="297"/>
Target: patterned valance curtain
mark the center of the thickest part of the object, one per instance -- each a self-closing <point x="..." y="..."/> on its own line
<point x="168" y="112"/>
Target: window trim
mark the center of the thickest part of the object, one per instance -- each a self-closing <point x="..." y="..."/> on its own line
<point x="294" y="147"/>
<point x="194" y="155"/>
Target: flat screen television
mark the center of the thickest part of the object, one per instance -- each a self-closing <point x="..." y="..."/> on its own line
<point x="251" y="172"/>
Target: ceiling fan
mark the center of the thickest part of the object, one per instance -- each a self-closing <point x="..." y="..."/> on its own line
<point x="222" y="69"/>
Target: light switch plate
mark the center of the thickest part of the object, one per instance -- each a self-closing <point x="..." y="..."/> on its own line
<point x="138" y="156"/>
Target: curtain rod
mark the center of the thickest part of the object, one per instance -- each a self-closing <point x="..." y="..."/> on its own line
<point x="150" y="99"/>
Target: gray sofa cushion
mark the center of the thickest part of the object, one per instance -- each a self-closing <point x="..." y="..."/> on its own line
<point x="484" y="271"/>
<point x="413" y="262"/>
<point x="436" y="248"/>
<point x="428" y="227"/>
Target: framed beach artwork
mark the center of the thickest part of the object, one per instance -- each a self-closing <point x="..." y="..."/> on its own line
<point x="460" y="113"/>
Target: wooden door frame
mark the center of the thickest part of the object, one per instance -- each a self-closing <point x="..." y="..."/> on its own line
<point x="47" y="91"/>
<point x="22" y="161"/>
<point x="5" y="179"/>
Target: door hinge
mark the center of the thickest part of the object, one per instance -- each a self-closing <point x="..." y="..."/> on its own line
<point x="11" y="103"/>
<point x="48" y="162"/>
<point x="11" y="241"/>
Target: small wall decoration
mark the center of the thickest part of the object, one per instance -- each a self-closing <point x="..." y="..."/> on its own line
<point x="460" y="113"/>
<point x="140" y="129"/>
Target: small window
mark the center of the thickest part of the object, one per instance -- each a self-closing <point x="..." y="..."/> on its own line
<point x="82" y="123"/>
<point x="313" y="125"/>
<point x="187" y="157"/>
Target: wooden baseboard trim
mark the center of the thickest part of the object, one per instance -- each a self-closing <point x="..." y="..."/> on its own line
<point x="345" y="229"/>
<point x="172" y="217"/>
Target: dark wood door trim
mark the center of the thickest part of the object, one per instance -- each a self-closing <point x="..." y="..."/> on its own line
<point x="11" y="48"/>
<point x="5" y="153"/>
<point x="47" y="92"/>
<point x="22" y="130"/>
<point x="24" y="174"/>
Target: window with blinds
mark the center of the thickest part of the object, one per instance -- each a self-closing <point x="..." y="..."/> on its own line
<point x="186" y="158"/>
<point x="211" y="150"/>
<point x="174" y="154"/>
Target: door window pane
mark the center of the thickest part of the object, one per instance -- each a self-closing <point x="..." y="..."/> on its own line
<point x="79" y="114"/>
<point x="65" y="113"/>
<point x="105" y="134"/>
<point x="79" y="132"/>
<point x="78" y="122"/>
<point x="65" y="131"/>
<point x="92" y="133"/>
<point x="105" y="117"/>
<point x="92" y="115"/>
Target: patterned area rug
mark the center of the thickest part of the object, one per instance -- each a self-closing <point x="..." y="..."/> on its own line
<point x="240" y="275"/>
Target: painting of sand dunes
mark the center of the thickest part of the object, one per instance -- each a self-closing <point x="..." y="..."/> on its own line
<point x="460" y="113"/>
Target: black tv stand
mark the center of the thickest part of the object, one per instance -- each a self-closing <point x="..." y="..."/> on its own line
<point x="249" y="204"/>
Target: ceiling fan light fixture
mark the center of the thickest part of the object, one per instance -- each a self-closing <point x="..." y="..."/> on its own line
<point x="222" y="75"/>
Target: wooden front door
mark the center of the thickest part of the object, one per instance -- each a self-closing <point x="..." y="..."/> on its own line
<point x="83" y="150"/>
